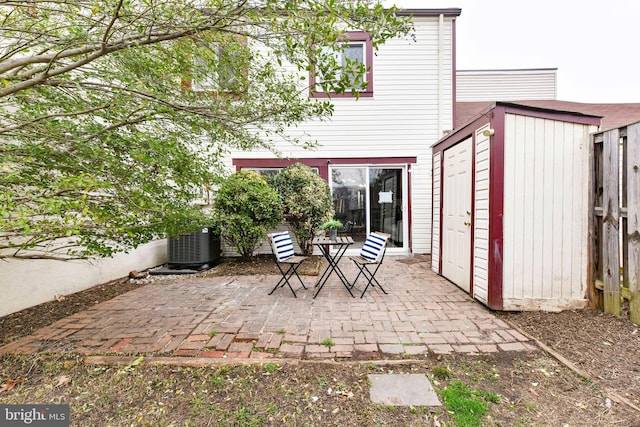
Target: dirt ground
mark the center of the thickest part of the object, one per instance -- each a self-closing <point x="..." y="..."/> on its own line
<point x="589" y="377"/>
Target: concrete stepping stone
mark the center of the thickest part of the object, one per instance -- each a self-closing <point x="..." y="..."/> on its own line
<point x="402" y="390"/>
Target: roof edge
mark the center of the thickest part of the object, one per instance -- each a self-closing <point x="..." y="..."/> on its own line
<point x="492" y="105"/>
<point x="454" y="11"/>
<point x="506" y="70"/>
<point x="515" y="104"/>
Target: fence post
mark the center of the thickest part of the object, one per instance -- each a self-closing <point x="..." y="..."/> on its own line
<point x="633" y="220"/>
<point x="593" y="252"/>
<point x="611" y="222"/>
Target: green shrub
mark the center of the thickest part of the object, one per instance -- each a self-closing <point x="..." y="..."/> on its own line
<point x="307" y="202"/>
<point x="244" y="209"/>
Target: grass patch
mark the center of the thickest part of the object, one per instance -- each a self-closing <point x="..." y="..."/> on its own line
<point x="246" y="416"/>
<point x="468" y="407"/>
<point x="270" y="368"/>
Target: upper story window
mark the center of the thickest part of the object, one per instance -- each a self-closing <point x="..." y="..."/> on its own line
<point x="218" y="66"/>
<point x="357" y="52"/>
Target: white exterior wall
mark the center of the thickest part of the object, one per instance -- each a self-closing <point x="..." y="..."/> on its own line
<point x="545" y="214"/>
<point x="481" y="217"/>
<point x="506" y="85"/>
<point x="25" y="283"/>
<point x="405" y="116"/>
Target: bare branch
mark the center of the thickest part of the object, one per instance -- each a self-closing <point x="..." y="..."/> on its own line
<point x="111" y="24"/>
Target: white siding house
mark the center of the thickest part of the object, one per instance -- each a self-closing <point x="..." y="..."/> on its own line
<point x="381" y="143"/>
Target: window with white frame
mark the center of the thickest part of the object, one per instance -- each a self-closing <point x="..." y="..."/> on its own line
<point x="219" y="66"/>
<point x="357" y="51"/>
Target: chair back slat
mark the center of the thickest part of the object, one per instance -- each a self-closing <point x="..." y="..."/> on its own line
<point x="282" y="245"/>
<point x="373" y="247"/>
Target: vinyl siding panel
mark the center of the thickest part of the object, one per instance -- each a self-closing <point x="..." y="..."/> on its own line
<point x="545" y="214"/>
<point x="437" y="191"/>
<point x="505" y="85"/>
<point x="421" y="205"/>
<point x="405" y="116"/>
<point x="403" y="112"/>
<point x="481" y="218"/>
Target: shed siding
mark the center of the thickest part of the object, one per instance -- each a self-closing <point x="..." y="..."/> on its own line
<point x="545" y="214"/>
<point x="481" y="218"/>
<point x="505" y="85"/>
<point x="435" y="243"/>
<point x="405" y="116"/>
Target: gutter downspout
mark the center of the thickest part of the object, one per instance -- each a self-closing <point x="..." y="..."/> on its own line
<point x="440" y="70"/>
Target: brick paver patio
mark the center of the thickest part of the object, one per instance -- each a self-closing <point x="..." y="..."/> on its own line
<point x="233" y="317"/>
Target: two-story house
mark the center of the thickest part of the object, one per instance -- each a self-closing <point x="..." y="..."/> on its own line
<point x="375" y="151"/>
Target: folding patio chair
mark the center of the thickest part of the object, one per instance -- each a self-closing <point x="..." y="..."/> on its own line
<point x="370" y="259"/>
<point x="282" y="247"/>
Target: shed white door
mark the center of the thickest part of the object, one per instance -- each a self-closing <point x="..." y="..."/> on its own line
<point x="456" y="214"/>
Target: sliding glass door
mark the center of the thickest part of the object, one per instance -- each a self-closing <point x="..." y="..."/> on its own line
<point x="370" y="198"/>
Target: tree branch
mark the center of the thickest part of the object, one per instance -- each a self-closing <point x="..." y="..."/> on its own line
<point x="111" y="24"/>
<point x="9" y="129"/>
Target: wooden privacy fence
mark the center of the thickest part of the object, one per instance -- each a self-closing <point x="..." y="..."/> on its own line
<point x="615" y="220"/>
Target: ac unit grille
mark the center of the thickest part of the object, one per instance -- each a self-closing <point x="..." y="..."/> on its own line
<point x="193" y="249"/>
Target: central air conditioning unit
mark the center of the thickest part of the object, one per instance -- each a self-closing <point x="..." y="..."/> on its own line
<point x="194" y="249"/>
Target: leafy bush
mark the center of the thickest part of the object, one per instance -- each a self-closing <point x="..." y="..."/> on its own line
<point x="307" y="202"/>
<point x="244" y="209"/>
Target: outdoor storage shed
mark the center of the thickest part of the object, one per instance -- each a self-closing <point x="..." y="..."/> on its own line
<point x="510" y="203"/>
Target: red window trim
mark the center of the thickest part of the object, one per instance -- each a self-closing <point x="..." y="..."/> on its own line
<point x="321" y="163"/>
<point x="355" y="36"/>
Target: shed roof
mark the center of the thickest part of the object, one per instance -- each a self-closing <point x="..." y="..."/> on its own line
<point x="468" y="113"/>
<point x="613" y="115"/>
